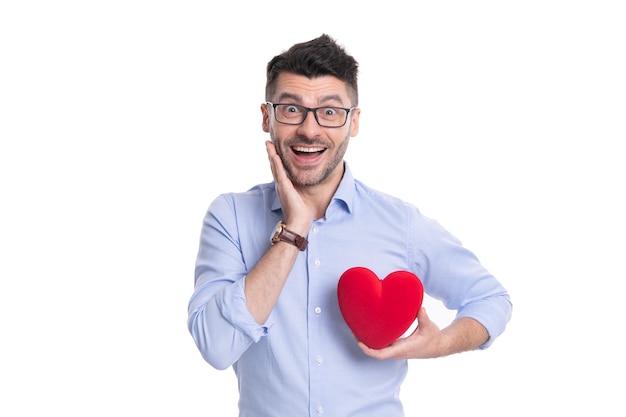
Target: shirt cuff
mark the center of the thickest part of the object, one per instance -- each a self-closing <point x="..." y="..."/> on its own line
<point x="493" y="315"/>
<point x="232" y="305"/>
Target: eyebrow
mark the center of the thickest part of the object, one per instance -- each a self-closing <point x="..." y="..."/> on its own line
<point x="298" y="99"/>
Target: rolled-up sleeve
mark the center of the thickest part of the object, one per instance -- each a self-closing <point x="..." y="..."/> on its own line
<point x="218" y="318"/>
<point x="454" y="275"/>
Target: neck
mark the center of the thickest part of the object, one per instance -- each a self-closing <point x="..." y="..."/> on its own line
<point x="318" y="196"/>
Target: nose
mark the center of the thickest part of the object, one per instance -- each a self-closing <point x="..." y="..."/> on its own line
<point x="310" y="127"/>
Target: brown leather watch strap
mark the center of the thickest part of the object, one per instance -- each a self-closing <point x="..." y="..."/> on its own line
<point x="283" y="234"/>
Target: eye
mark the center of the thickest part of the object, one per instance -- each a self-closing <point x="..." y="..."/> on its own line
<point x="329" y="111"/>
<point x="292" y="108"/>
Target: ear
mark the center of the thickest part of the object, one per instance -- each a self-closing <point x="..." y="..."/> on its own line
<point x="354" y="125"/>
<point x="265" y="110"/>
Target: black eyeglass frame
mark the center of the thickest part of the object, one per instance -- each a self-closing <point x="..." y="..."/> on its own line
<point x="314" y="110"/>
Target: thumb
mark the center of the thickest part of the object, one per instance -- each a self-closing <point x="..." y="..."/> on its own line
<point x="422" y="316"/>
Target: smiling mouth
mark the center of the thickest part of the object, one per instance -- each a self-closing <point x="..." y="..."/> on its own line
<point x="303" y="151"/>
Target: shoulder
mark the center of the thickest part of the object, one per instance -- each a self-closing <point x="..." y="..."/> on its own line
<point x="374" y="196"/>
<point x="261" y="195"/>
<point x="254" y="193"/>
<point x="393" y="207"/>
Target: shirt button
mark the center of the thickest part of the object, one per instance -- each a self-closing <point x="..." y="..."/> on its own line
<point x="318" y="311"/>
<point x="315" y="229"/>
<point x="317" y="262"/>
<point x="319" y="359"/>
<point x="320" y="409"/>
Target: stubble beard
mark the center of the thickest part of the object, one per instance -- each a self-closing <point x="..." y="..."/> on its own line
<point x="310" y="177"/>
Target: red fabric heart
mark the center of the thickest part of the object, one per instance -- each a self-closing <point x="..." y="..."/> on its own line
<point x="379" y="311"/>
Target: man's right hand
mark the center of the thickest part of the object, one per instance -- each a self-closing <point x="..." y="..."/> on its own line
<point x="297" y="214"/>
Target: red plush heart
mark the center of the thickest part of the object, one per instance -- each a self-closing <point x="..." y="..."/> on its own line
<point x="379" y="311"/>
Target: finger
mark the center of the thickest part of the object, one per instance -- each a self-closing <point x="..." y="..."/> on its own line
<point x="374" y="353"/>
<point x="276" y="164"/>
<point x="271" y="154"/>
<point x="380" y="354"/>
<point x="271" y="149"/>
<point x="422" y="316"/>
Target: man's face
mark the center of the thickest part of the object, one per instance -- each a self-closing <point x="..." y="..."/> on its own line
<point x="311" y="154"/>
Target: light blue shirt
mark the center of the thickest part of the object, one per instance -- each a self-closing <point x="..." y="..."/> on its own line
<point x="304" y="361"/>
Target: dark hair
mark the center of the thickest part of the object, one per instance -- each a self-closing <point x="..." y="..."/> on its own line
<point x="315" y="58"/>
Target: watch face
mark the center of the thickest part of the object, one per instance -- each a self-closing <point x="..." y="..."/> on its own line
<point x="285" y="235"/>
<point x="277" y="232"/>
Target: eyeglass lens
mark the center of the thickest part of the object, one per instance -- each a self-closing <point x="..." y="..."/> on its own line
<point x="325" y="116"/>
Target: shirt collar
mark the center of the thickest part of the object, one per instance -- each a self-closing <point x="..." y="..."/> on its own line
<point x="344" y="193"/>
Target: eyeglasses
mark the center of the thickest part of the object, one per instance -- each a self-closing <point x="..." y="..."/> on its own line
<point x="293" y="114"/>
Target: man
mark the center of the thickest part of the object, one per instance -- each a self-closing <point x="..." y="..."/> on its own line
<point x="270" y="310"/>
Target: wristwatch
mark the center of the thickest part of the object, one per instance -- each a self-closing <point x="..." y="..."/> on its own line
<point x="282" y="234"/>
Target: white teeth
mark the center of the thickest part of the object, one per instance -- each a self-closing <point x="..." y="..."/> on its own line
<point x="303" y="149"/>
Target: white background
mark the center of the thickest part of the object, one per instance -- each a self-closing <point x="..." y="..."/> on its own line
<point x="121" y="120"/>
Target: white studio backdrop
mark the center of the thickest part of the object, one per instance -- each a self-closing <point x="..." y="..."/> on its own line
<point x="120" y="121"/>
